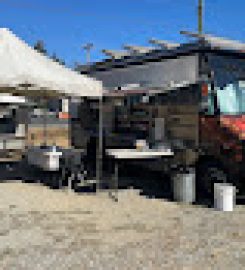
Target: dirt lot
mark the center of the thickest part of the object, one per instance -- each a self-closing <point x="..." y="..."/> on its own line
<point x="42" y="228"/>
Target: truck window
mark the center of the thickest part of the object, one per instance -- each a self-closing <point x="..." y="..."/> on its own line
<point x="231" y="98"/>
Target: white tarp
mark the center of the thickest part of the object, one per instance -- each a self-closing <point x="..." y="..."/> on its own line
<point x="21" y="64"/>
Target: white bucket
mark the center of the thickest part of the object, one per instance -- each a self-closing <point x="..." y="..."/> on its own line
<point x="224" y="196"/>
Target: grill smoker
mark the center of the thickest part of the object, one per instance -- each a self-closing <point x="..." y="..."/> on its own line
<point x="200" y="103"/>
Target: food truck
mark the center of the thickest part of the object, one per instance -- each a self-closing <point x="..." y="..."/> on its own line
<point x="198" y="106"/>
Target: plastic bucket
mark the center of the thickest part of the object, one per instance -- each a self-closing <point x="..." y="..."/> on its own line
<point x="185" y="186"/>
<point x="224" y="196"/>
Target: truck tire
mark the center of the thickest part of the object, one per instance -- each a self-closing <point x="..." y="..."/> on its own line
<point x="209" y="173"/>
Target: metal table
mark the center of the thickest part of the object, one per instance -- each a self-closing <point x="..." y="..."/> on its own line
<point x="129" y="154"/>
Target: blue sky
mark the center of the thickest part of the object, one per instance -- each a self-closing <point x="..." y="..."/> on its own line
<point x="65" y="25"/>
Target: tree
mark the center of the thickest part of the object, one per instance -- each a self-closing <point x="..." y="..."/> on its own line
<point x="55" y="58"/>
<point x="40" y="47"/>
<point x="77" y="66"/>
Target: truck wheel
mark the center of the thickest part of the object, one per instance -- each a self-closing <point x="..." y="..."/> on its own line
<point x="208" y="174"/>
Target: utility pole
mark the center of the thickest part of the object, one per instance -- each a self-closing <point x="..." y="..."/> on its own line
<point x="87" y="47"/>
<point x="200" y="16"/>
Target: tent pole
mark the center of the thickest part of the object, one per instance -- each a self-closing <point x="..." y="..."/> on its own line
<point x="45" y="116"/>
<point x="99" y="162"/>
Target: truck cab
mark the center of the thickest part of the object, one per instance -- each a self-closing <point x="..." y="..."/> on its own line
<point x="222" y="133"/>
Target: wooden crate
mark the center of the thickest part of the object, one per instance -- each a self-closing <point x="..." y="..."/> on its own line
<point x="55" y="135"/>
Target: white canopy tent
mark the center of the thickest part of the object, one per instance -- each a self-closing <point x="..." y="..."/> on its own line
<point x="26" y="72"/>
<point x="22" y="65"/>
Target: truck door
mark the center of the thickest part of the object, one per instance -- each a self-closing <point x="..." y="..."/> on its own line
<point x="219" y="132"/>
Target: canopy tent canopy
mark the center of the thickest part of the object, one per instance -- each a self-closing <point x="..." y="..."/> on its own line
<point x="26" y="72"/>
<point x="22" y="66"/>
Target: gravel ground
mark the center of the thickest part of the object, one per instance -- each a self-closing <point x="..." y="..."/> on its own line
<point x="41" y="228"/>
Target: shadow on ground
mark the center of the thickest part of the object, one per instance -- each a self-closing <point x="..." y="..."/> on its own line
<point x="10" y="171"/>
<point x="151" y="184"/>
<point x="156" y="185"/>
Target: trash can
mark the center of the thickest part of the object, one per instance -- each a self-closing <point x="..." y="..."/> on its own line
<point x="185" y="186"/>
<point x="224" y="196"/>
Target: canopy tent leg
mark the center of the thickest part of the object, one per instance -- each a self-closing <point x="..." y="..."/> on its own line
<point x="99" y="155"/>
